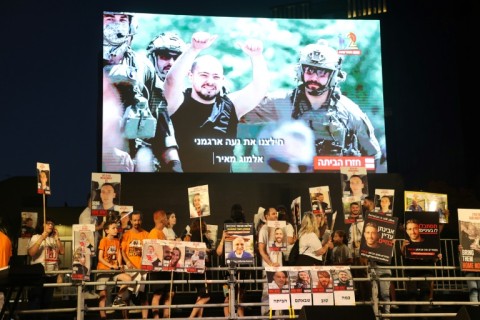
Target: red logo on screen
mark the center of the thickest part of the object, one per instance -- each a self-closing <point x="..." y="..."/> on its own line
<point x="335" y="163"/>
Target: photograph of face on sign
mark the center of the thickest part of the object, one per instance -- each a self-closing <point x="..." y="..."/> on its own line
<point x="296" y="208"/>
<point x="199" y="201"/>
<point x="378" y="237"/>
<point x="352" y="208"/>
<point x="423" y="234"/>
<point x="105" y="191"/>
<point x="84" y="250"/>
<point x="384" y="201"/>
<point x="43" y="178"/>
<point x="320" y="199"/>
<point x="278" y="281"/>
<point x="29" y="223"/>
<point x="354" y="182"/>
<point x="239" y="244"/>
<point x="152" y="255"/>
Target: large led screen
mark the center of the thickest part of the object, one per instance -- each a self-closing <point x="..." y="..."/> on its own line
<point x="242" y="95"/>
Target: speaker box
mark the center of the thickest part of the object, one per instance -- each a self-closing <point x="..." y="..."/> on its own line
<point x="468" y="313"/>
<point x="336" y="312"/>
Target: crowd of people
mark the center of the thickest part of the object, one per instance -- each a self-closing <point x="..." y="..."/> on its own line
<point x="118" y="251"/>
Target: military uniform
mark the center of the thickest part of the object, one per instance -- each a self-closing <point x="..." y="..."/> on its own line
<point x="136" y="80"/>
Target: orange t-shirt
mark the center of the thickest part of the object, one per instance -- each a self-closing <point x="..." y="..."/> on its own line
<point x="5" y="250"/>
<point x="132" y="245"/>
<point x="157" y="234"/>
<point x="110" y="249"/>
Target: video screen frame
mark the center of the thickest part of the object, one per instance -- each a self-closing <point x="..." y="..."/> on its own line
<point x="356" y="41"/>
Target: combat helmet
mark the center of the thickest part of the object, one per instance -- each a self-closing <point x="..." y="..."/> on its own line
<point x="167" y="43"/>
<point x="321" y="55"/>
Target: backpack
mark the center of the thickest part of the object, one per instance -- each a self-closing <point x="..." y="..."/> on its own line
<point x="294" y="253"/>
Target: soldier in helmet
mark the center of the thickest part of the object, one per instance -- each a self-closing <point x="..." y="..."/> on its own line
<point x="340" y="127"/>
<point x="146" y="128"/>
<point x="164" y="50"/>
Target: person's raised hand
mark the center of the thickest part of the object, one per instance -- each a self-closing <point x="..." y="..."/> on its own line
<point x="252" y="47"/>
<point x="202" y="40"/>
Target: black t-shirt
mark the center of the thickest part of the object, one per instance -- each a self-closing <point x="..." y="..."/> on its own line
<point x="202" y="131"/>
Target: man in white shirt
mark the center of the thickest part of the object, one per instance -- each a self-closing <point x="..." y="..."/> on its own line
<point x="87" y="218"/>
<point x="269" y="258"/>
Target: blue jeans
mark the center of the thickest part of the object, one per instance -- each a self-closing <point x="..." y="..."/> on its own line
<point x="384" y="287"/>
<point x="473" y="287"/>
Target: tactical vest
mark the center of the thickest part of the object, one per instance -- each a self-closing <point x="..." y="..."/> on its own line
<point x="329" y="124"/>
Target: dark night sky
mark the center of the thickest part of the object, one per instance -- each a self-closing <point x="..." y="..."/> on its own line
<point x="51" y="90"/>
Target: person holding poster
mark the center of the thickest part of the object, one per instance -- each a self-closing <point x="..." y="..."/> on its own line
<point x="45" y="248"/>
<point x="378" y="244"/>
<point x="110" y="258"/>
<point x="86" y="217"/>
<point x="161" y="289"/>
<point x="270" y="258"/>
<point x="363" y="289"/>
<point x="239" y="250"/>
<point x="287" y="216"/>
<point x="311" y="248"/>
<point x="198" y="229"/>
<point x="417" y="251"/>
<point x="232" y="226"/>
<point x="132" y="248"/>
<point x="469" y="249"/>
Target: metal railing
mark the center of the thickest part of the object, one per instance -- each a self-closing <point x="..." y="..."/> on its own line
<point x="448" y="278"/>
